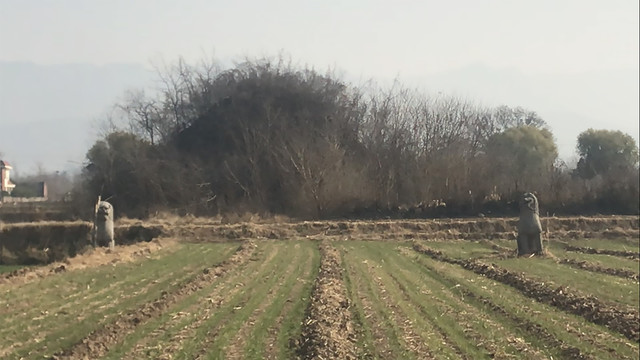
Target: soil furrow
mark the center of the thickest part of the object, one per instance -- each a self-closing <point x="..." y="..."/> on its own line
<point x="97" y="343"/>
<point x="624" y="321"/>
<point x="328" y="331"/>
<point x="585" y="265"/>
<point x="590" y="250"/>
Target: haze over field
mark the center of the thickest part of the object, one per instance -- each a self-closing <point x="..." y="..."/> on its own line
<point x="63" y="64"/>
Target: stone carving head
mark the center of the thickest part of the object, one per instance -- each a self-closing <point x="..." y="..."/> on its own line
<point x="105" y="211"/>
<point x="529" y="202"/>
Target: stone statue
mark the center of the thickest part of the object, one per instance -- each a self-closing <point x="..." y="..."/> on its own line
<point x="529" y="228"/>
<point x="104" y="225"/>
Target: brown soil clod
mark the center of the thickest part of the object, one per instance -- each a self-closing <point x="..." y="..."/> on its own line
<point x="624" y="321"/>
<point x="59" y="269"/>
<point x="98" y="343"/>
<point x="328" y="331"/>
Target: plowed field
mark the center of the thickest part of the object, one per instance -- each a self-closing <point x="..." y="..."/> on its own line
<point x="329" y="294"/>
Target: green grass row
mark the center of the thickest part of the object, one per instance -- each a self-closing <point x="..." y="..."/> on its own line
<point x="406" y="304"/>
<point x="390" y="285"/>
<point x="253" y="310"/>
<point x="608" y="288"/>
<point x="55" y="312"/>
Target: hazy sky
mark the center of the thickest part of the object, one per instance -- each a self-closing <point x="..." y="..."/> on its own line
<point x="372" y="37"/>
<point x="413" y="40"/>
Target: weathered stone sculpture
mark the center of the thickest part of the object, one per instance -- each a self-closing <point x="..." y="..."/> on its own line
<point x="104" y="225"/>
<point x="529" y="228"/>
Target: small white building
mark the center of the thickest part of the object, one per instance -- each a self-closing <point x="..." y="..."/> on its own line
<point x="5" y="177"/>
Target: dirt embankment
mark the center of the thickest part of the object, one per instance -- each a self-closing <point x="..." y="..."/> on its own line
<point x="97" y="343"/>
<point x="90" y="258"/>
<point x="467" y="229"/>
<point x="42" y="243"/>
<point x="624" y="321"/>
<point x="47" y="242"/>
<point x="328" y="331"/>
<point x="19" y="212"/>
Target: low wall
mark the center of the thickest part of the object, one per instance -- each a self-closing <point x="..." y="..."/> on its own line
<point x="22" y="212"/>
<point x="11" y="199"/>
<point x="46" y="242"/>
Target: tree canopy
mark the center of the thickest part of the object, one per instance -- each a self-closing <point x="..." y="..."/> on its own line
<point x="523" y="153"/>
<point x="605" y="151"/>
<point x="266" y="136"/>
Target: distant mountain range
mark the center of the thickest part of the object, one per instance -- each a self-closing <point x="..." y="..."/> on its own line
<point x="50" y="114"/>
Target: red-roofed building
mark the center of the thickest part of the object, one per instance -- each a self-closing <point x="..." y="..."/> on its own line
<point x="5" y="177"/>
